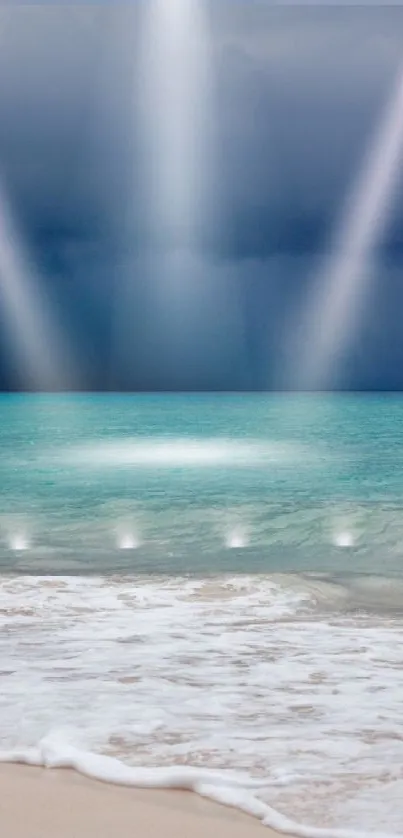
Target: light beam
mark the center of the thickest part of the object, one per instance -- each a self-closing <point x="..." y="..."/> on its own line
<point x="175" y="99"/>
<point x="40" y="359"/>
<point x="172" y="138"/>
<point x="339" y="293"/>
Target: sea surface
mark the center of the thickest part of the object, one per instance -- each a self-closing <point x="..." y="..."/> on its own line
<point x="208" y="590"/>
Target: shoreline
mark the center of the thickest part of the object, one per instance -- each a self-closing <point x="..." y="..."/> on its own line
<point x="40" y="802"/>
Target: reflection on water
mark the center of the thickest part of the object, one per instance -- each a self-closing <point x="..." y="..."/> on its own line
<point x="344" y="539"/>
<point x="19" y="542"/>
<point x="237" y="539"/>
<point x="182" y="453"/>
<point x="127" y="541"/>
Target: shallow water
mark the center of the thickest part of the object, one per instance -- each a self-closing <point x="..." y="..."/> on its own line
<point x="210" y="581"/>
<point x="289" y="483"/>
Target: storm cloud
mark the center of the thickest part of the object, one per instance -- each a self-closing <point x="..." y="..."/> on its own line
<point x="297" y="92"/>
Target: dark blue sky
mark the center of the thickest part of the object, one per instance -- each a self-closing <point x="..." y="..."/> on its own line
<point x="297" y="93"/>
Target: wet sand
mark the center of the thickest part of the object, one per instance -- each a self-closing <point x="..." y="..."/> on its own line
<point x="43" y="803"/>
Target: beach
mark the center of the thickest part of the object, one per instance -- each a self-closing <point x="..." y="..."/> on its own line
<point x="37" y="803"/>
<point x="202" y="594"/>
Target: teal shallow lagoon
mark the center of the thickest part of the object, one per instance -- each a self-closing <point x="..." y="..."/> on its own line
<point x="201" y="484"/>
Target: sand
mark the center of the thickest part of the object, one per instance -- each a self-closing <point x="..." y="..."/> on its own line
<point x="45" y="803"/>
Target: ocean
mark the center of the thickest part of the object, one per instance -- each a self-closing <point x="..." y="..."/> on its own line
<point x="208" y="589"/>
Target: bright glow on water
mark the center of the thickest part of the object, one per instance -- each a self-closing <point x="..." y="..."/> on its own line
<point x="127" y="541"/>
<point x="42" y="361"/>
<point x="236" y="539"/>
<point x="19" y="542"/>
<point x="344" y="539"/>
<point x="342" y="285"/>
<point x="168" y="453"/>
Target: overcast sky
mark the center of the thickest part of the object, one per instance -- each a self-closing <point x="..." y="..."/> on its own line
<point x="295" y="95"/>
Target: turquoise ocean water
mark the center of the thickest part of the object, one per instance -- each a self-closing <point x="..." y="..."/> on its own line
<point x="211" y="582"/>
<point x="310" y="483"/>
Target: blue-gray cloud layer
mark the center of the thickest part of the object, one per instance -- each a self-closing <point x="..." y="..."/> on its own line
<point x="297" y="93"/>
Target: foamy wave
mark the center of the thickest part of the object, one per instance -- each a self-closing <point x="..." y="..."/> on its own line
<point x="54" y="752"/>
<point x="222" y="787"/>
<point x="246" y="674"/>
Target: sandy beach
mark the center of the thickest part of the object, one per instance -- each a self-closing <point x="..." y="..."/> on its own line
<point x="36" y="803"/>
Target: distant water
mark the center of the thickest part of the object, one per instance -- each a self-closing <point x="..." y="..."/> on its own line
<point x="213" y="581"/>
<point x="289" y="483"/>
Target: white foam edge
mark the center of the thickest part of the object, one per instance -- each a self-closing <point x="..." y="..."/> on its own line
<point x="51" y="753"/>
<point x="225" y="788"/>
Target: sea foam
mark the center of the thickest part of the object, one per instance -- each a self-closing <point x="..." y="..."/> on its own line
<point x="222" y="787"/>
<point x="256" y="677"/>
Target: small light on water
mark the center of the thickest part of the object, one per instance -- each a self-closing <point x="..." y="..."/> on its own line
<point x="19" y="542"/>
<point x="344" y="539"/>
<point x="236" y="540"/>
<point x="128" y="542"/>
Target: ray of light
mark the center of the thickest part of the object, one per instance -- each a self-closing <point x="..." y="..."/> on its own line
<point x="172" y="139"/>
<point x="341" y="290"/>
<point x="36" y="348"/>
<point x="175" y="96"/>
